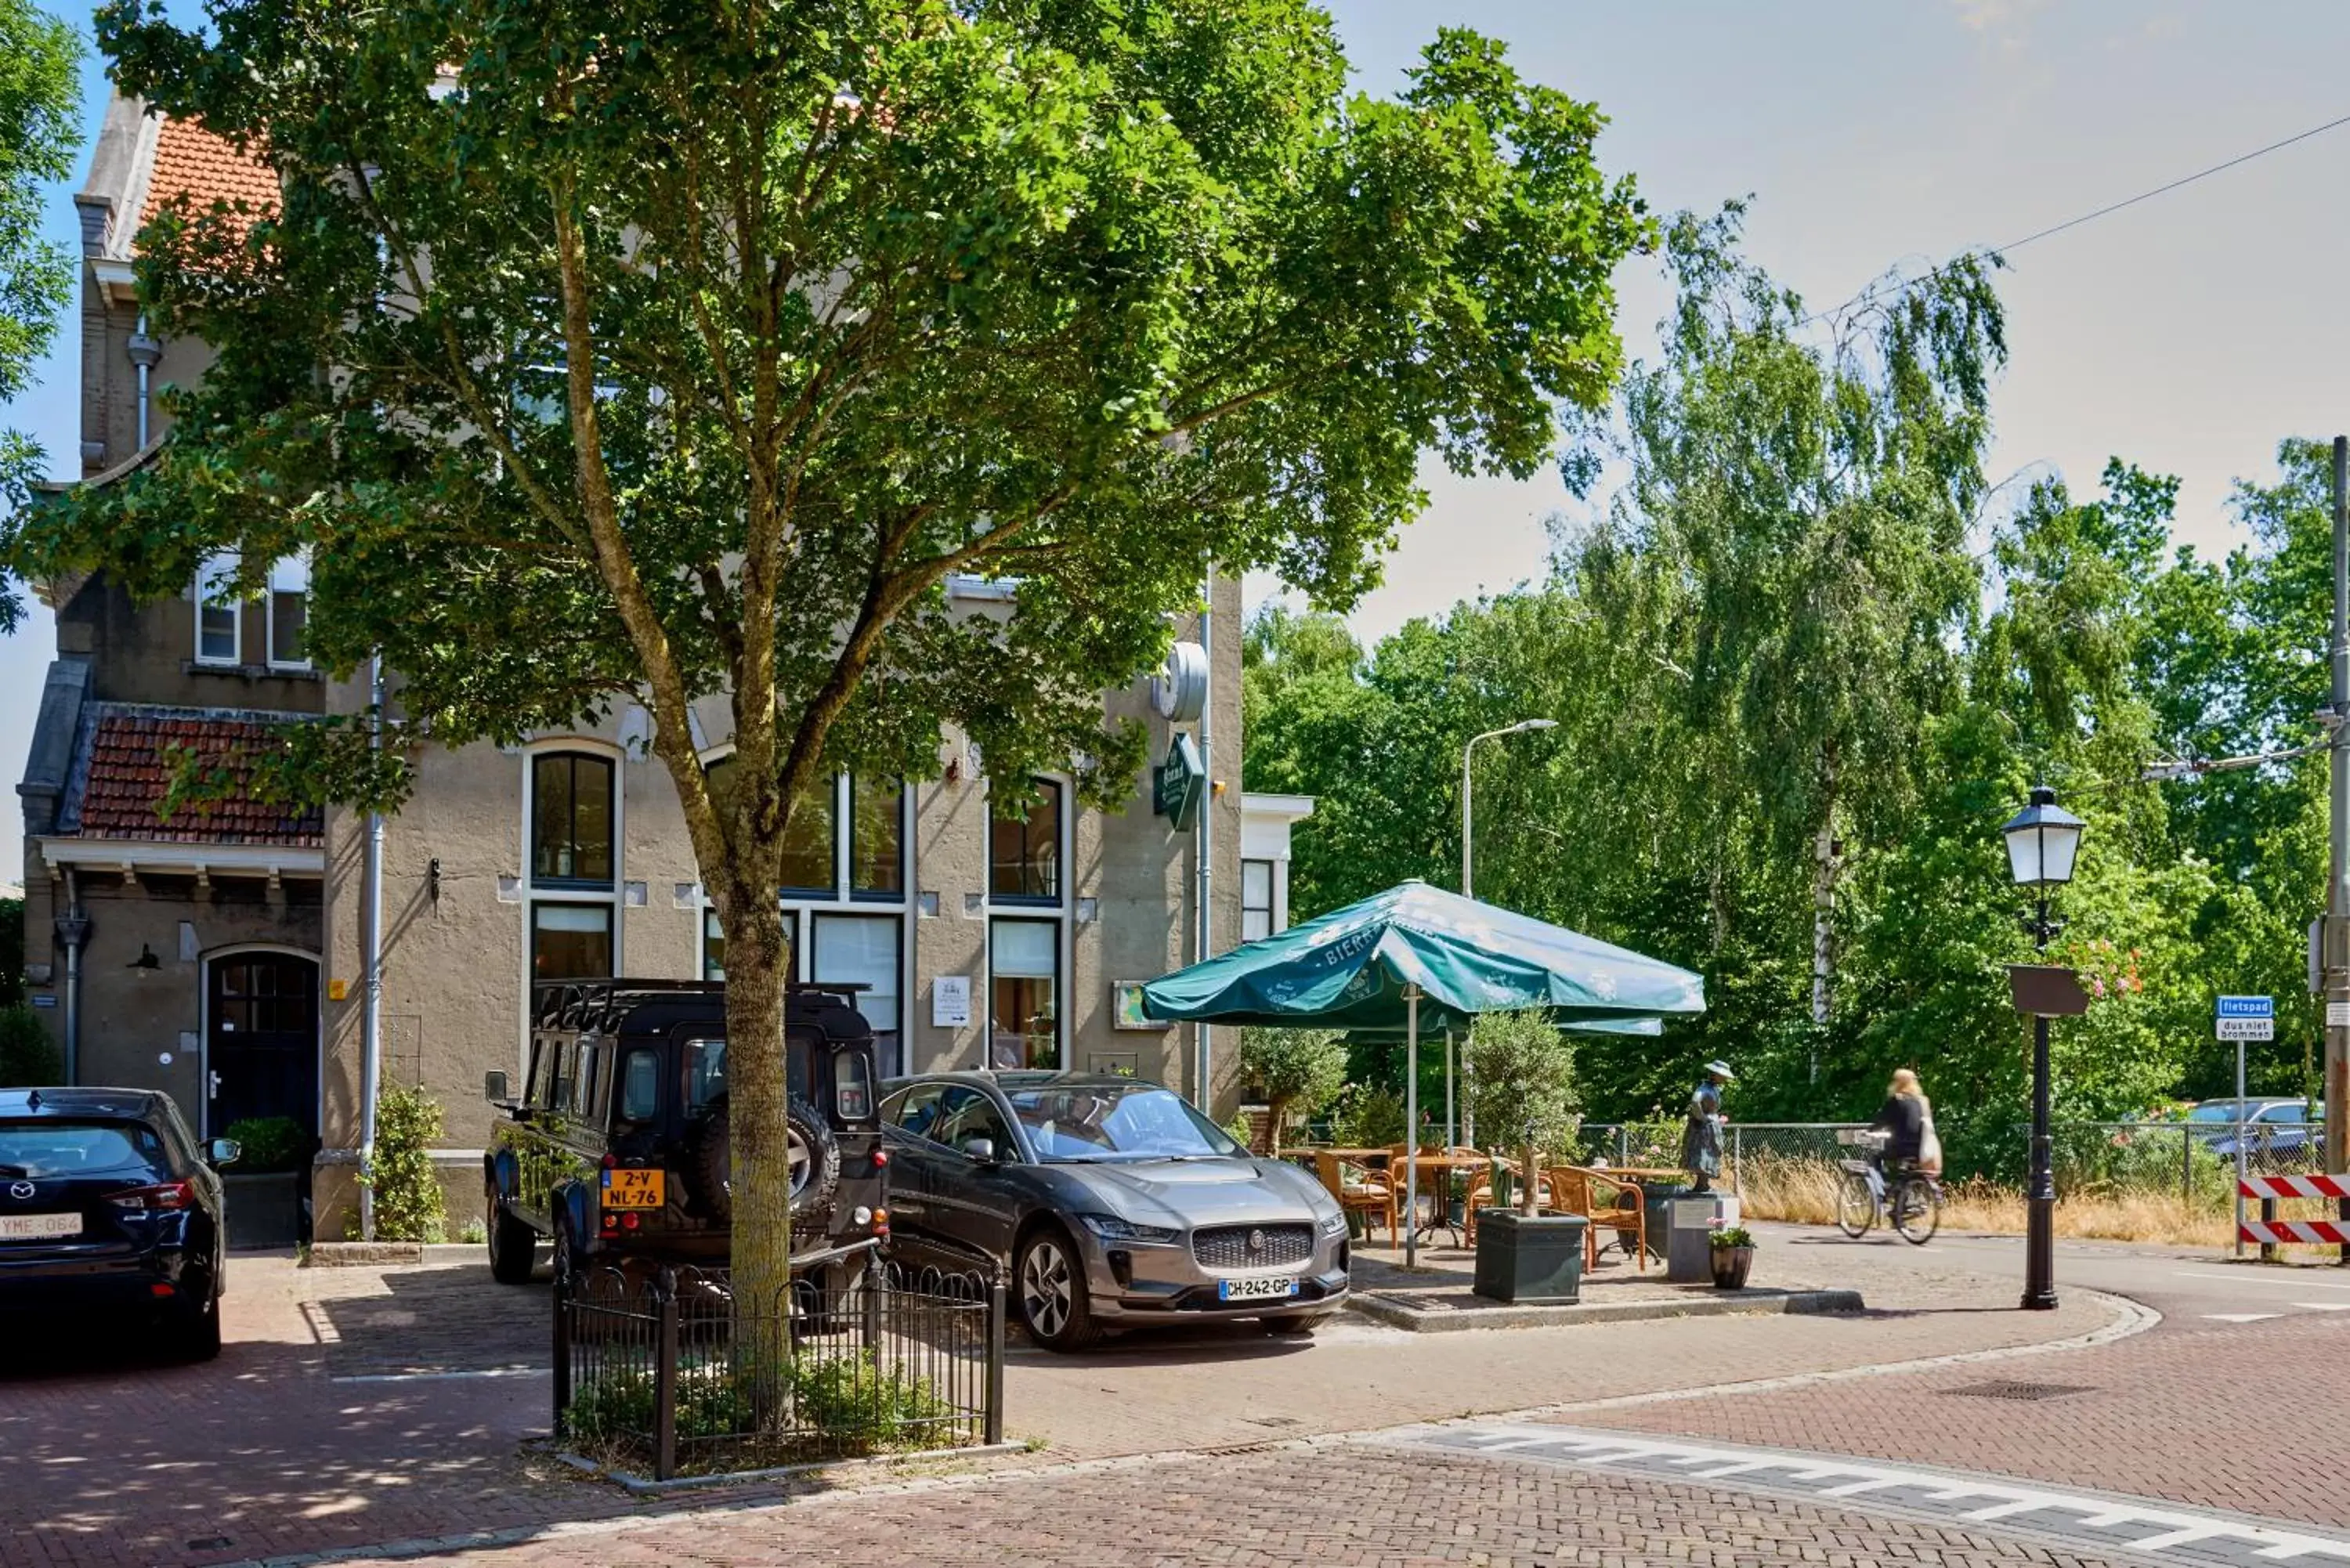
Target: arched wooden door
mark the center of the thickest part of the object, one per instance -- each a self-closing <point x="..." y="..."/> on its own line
<point x="261" y="1044"/>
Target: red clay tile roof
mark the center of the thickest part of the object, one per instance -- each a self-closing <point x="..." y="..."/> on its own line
<point x="192" y="161"/>
<point x="131" y="769"/>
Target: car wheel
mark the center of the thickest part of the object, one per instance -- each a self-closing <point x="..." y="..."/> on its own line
<point x="512" y="1247"/>
<point x="1049" y="1282"/>
<point x="199" y="1335"/>
<point x="1294" y="1326"/>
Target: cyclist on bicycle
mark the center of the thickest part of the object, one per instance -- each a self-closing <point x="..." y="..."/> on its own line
<point x="1908" y="1120"/>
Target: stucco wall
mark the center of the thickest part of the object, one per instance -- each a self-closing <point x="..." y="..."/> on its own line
<point x="145" y="653"/>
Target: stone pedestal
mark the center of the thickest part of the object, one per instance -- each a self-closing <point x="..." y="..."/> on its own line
<point x="1691" y="1220"/>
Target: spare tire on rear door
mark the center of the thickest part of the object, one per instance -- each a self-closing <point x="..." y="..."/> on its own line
<point x="815" y="1164"/>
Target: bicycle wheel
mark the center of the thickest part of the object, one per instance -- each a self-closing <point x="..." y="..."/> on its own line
<point x="1917" y="1211"/>
<point x="1856" y="1206"/>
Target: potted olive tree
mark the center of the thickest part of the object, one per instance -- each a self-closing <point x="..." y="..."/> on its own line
<point x="1522" y="1078"/>
<point x="1297" y="1071"/>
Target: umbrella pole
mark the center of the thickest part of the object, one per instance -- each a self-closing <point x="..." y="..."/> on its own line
<point x="1449" y="1124"/>
<point x="1410" y="1127"/>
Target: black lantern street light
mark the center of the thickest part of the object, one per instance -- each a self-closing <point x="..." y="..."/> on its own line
<point x="2042" y="841"/>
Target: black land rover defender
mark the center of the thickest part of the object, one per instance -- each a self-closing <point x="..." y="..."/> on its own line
<point x="616" y="1147"/>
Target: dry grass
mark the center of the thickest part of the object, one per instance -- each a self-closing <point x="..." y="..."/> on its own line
<point x="1803" y="1191"/>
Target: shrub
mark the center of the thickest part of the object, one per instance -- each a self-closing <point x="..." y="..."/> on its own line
<point x="1299" y="1070"/>
<point x="269" y="1143"/>
<point x="407" y="1199"/>
<point x="1365" y="1118"/>
<point x="28" y="1057"/>
<point x="1522" y="1086"/>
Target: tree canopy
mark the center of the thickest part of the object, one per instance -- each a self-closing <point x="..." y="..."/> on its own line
<point x="39" y="106"/>
<point x="677" y="352"/>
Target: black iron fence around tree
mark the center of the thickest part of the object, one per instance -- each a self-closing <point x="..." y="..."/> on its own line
<point x="654" y="1368"/>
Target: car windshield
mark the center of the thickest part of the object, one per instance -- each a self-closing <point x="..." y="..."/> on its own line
<point x="2214" y="1111"/>
<point x="47" y="1149"/>
<point x="1116" y="1121"/>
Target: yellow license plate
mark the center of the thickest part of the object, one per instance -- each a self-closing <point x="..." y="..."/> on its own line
<point x="633" y="1189"/>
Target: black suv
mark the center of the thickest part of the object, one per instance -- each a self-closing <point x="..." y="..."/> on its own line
<point x="617" y="1147"/>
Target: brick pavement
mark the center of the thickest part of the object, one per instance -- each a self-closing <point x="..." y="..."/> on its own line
<point x="2210" y="1415"/>
<point x="266" y="1452"/>
<point x="1341" y="1504"/>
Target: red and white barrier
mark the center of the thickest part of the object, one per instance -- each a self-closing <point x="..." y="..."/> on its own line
<point x="2293" y="1232"/>
<point x="2295" y="1186"/>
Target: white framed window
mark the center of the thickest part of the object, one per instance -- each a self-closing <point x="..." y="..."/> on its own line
<point x="863" y="950"/>
<point x="219" y="612"/>
<point x="289" y="611"/>
<point x="1256" y="900"/>
<point x="1025" y="1003"/>
<point x="571" y="844"/>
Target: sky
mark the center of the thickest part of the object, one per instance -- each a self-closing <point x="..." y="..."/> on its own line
<point x="2188" y="334"/>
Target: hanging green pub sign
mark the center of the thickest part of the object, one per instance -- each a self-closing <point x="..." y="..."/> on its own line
<point x="1179" y="782"/>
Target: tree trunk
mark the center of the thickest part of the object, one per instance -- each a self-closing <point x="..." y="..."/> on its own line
<point x="1827" y="864"/>
<point x="758" y="1092"/>
<point x="1529" y="1182"/>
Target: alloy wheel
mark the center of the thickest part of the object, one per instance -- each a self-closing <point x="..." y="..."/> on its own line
<point x="1045" y="1288"/>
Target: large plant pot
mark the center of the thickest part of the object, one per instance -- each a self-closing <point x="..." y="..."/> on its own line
<point x="1731" y="1265"/>
<point x="265" y="1207"/>
<point x="1533" y="1259"/>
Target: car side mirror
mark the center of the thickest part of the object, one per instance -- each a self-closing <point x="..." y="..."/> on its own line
<point x="227" y="1151"/>
<point x="981" y="1149"/>
<point x="493" y="1088"/>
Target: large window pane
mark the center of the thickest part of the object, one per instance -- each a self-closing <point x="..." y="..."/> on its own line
<point x="289" y="611"/>
<point x="1024" y="841"/>
<point x="571" y="819"/>
<point x="570" y="941"/>
<point x="876" y="850"/>
<point x="1024" y="960"/>
<point x="713" y="944"/>
<point x="1256" y="900"/>
<point x="862" y="949"/>
<point x="216" y="611"/>
<point x="808" y="845"/>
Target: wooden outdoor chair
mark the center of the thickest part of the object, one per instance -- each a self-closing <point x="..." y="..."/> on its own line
<point x="1359" y="1192"/>
<point x="1599" y="1198"/>
<point x="1482" y="1190"/>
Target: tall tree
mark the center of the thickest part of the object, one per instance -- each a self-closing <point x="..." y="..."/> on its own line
<point x="1796" y="522"/>
<point x="39" y="108"/>
<point x="675" y="351"/>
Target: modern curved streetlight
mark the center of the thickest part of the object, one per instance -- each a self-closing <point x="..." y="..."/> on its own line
<point x="2042" y="841"/>
<point x="1467" y="888"/>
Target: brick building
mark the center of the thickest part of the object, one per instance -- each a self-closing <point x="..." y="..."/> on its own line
<point x="218" y="953"/>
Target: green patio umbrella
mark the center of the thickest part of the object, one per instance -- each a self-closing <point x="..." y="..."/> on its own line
<point x="1417" y="957"/>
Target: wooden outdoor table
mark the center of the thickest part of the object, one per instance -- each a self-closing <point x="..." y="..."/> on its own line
<point x="1309" y="1151"/>
<point x="1442" y="1165"/>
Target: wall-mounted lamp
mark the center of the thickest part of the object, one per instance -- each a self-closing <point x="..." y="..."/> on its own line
<point x="146" y="959"/>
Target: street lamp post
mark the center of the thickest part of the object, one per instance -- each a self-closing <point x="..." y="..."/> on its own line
<point x="2042" y="841"/>
<point x="1468" y="883"/>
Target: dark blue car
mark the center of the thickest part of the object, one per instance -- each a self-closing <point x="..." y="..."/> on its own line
<point x="108" y="1206"/>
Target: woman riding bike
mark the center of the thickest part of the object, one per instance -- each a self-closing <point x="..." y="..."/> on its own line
<point x="1902" y="1172"/>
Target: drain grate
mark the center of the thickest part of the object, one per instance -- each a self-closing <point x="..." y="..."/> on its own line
<point x="2000" y="1390"/>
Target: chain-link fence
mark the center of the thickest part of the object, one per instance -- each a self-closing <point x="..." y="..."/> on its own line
<point x="2194" y="1163"/>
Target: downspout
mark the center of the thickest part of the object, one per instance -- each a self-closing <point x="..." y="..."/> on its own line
<point x="145" y="353"/>
<point x="371" y="966"/>
<point x="1202" y="1039"/>
<point x="74" y="933"/>
<point x="985" y="1008"/>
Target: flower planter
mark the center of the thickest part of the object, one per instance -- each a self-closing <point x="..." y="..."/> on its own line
<point x="1523" y="1258"/>
<point x="1731" y="1265"/>
<point x="265" y="1207"/>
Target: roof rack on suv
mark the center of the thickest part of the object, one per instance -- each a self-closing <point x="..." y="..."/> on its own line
<point x="599" y="1004"/>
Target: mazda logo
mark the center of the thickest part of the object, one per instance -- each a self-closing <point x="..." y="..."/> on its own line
<point x="23" y="1190"/>
<point x="1256" y="1241"/>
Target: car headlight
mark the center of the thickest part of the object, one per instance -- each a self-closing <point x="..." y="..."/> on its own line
<point x="1110" y="1227"/>
<point x="1335" y="1222"/>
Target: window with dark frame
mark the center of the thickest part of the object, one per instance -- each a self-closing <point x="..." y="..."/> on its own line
<point x="1024" y="1009"/>
<point x="570" y="941"/>
<point x="809" y="866"/>
<point x="1256" y="900"/>
<point x="877" y="838"/>
<point x="571" y="820"/>
<point x="1025" y="843"/>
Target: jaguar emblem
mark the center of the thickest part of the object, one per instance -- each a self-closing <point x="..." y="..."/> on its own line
<point x="1256" y="1241"/>
<point x="23" y="1192"/>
